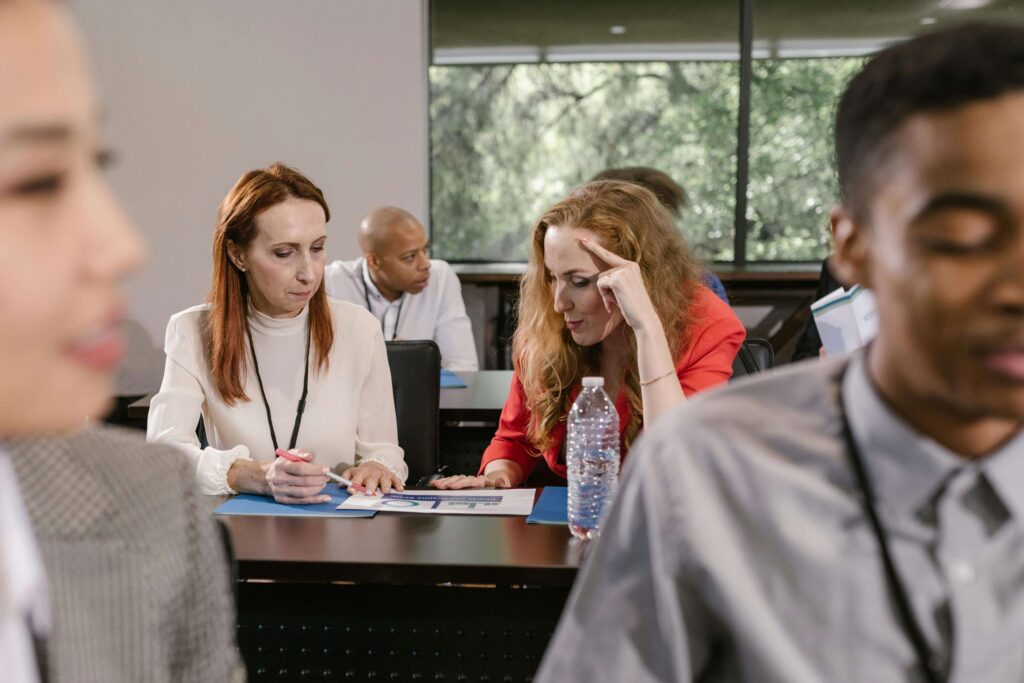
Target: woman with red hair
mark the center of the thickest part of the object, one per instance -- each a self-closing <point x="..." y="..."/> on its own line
<point x="271" y="363"/>
<point x="611" y="289"/>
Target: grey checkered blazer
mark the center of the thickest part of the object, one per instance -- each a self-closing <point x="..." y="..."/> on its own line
<point x="135" y="567"/>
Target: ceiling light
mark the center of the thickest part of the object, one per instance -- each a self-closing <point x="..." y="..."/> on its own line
<point x="617" y="30"/>
<point x="928" y="21"/>
<point x="963" y="4"/>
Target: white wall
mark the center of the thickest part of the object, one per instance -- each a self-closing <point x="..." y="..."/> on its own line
<point x="196" y="92"/>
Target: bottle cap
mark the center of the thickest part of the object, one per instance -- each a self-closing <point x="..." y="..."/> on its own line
<point x="593" y="381"/>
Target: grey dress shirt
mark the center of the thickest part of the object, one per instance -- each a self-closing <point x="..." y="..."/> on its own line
<point x="738" y="548"/>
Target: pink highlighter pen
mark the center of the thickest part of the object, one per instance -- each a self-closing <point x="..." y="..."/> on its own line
<point x="281" y="453"/>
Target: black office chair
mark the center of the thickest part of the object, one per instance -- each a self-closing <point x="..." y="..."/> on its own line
<point x="416" y="384"/>
<point x="754" y="356"/>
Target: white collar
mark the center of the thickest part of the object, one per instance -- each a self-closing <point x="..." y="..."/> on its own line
<point x="263" y="323"/>
<point x="372" y="290"/>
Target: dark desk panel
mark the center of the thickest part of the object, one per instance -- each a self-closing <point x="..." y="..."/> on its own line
<point x="399" y="597"/>
<point x="399" y="548"/>
<point x="292" y="632"/>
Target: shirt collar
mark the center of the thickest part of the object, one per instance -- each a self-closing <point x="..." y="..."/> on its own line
<point x="372" y="290"/>
<point x="263" y="323"/>
<point x="908" y="468"/>
<point x="1004" y="470"/>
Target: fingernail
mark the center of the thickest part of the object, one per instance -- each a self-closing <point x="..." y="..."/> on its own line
<point x="325" y="499"/>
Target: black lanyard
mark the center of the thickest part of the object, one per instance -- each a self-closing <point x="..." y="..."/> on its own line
<point x="398" y="317"/>
<point x="302" y="400"/>
<point x="932" y="674"/>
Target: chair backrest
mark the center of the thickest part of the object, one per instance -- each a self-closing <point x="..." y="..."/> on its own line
<point x="416" y="385"/>
<point x="754" y="355"/>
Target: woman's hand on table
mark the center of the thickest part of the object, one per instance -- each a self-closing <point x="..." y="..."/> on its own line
<point x="297" y="483"/>
<point x="372" y="475"/>
<point x="494" y="480"/>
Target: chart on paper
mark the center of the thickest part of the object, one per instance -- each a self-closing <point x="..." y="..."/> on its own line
<point x="485" y="502"/>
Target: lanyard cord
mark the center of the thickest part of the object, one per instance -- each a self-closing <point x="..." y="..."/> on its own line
<point x="302" y="400"/>
<point x="398" y="317"/>
<point x="896" y="587"/>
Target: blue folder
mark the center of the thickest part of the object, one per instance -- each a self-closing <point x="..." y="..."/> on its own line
<point x="449" y="380"/>
<point x="248" y="504"/>
<point x="552" y="507"/>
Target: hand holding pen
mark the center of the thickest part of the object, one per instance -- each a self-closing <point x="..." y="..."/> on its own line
<point x="296" y="480"/>
<point x="300" y="456"/>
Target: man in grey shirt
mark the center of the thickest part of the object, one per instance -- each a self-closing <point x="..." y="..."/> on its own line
<point x="861" y="518"/>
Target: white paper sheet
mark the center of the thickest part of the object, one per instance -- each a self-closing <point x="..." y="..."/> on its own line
<point x="468" y="502"/>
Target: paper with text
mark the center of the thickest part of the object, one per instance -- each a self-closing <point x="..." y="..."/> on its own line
<point x="467" y="502"/>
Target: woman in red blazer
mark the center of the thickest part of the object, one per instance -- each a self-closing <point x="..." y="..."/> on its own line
<point x="611" y="290"/>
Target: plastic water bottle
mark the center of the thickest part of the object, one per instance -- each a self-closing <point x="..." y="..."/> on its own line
<point x="592" y="456"/>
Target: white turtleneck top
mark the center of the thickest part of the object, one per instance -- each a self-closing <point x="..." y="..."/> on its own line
<point x="350" y="411"/>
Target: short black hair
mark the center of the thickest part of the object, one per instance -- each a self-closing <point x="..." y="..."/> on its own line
<point x="931" y="73"/>
<point x="670" y="193"/>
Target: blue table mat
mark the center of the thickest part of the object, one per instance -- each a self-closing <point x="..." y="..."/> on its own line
<point x="449" y="380"/>
<point x="248" y="504"/>
<point x="552" y="507"/>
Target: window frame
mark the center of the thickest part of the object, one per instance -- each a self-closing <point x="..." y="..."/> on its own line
<point x="741" y="223"/>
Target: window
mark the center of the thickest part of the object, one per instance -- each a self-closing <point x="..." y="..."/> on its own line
<point x="792" y="182"/>
<point x="532" y="98"/>
<point x="510" y="140"/>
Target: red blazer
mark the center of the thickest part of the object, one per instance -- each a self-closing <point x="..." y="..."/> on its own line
<point x="716" y="335"/>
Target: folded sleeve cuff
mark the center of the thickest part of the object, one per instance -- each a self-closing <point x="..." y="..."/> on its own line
<point x="212" y="469"/>
<point x="389" y="455"/>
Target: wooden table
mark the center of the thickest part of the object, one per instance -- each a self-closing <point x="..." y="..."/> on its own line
<point x="399" y="597"/>
<point x="395" y="548"/>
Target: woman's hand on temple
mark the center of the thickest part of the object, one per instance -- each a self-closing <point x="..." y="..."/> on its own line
<point x="372" y="475"/>
<point x="621" y="284"/>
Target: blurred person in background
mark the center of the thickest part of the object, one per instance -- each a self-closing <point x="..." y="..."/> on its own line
<point x="109" y="570"/>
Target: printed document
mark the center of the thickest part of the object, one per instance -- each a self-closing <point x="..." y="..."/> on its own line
<point x="467" y="502"/>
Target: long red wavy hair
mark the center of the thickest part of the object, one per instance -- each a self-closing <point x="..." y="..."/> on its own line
<point x="224" y="328"/>
<point x="631" y="222"/>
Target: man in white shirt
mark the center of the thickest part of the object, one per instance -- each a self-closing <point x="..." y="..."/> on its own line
<point x="412" y="295"/>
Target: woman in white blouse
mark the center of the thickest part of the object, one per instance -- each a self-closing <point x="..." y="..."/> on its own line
<point x="270" y="362"/>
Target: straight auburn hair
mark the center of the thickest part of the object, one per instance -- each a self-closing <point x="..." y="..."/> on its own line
<point x="225" y="323"/>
